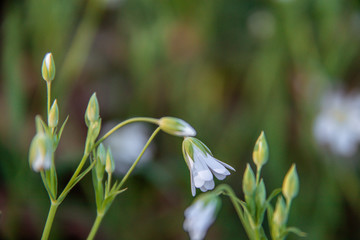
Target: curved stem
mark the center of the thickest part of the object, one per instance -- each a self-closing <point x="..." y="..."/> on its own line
<point x="227" y="190"/>
<point x="101" y="212"/>
<point x="95" y="227"/>
<point x="138" y="158"/>
<point x="131" y="120"/>
<point x="49" y="220"/>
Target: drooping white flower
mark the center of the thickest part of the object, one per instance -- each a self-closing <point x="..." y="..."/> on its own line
<point x="203" y="165"/>
<point x="199" y="216"/>
<point x="338" y="123"/>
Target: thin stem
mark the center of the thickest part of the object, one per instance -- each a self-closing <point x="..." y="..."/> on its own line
<point x="48" y="86"/>
<point x="258" y="171"/>
<point x="49" y="220"/>
<point x="131" y="120"/>
<point x="73" y="178"/>
<point x="101" y="212"/>
<point x="95" y="227"/>
<point x="138" y="158"/>
<point x="227" y="190"/>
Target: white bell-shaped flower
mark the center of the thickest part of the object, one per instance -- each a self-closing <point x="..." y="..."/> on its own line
<point x="203" y="165"/>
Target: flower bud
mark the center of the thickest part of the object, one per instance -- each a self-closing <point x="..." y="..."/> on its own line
<point x="48" y="68"/>
<point x="92" y="110"/>
<point x="40" y="154"/>
<point x="290" y="186"/>
<point x="249" y="184"/>
<point x="110" y="164"/>
<point x="261" y="151"/>
<point x="53" y="117"/>
<point x="101" y="154"/>
<point x="100" y="162"/>
<point x="280" y="215"/>
<point x="260" y="196"/>
<point x="176" y="127"/>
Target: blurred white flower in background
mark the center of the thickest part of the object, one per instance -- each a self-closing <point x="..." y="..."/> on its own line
<point x="338" y="122"/>
<point x="199" y="216"/>
<point x="127" y="143"/>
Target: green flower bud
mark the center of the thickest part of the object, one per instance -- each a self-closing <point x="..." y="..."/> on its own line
<point x="290" y="187"/>
<point x="249" y="184"/>
<point x="280" y="215"/>
<point x="48" y="68"/>
<point x="110" y="164"/>
<point x="260" y="196"/>
<point x="176" y="127"/>
<point x="40" y="154"/>
<point x="101" y="154"/>
<point x="53" y="117"/>
<point x="261" y="151"/>
<point x="92" y="110"/>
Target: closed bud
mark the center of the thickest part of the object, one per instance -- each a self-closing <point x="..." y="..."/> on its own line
<point x="100" y="162"/>
<point x="48" y="68"/>
<point x="261" y="151"/>
<point x="53" y="117"/>
<point x="176" y="126"/>
<point x="290" y="186"/>
<point x="260" y="196"/>
<point x="249" y="184"/>
<point x="110" y="164"/>
<point x="101" y="154"/>
<point x="92" y="110"/>
<point x="280" y="215"/>
<point x="40" y="154"/>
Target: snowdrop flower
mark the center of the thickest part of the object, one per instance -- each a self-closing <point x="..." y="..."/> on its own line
<point x="338" y="123"/>
<point x="200" y="215"/>
<point x="40" y="155"/>
<point x="202" y="165"/>
<point x="126" y="144"/>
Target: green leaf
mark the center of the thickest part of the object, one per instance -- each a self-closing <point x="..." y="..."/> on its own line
<point x="293" y="230"/>
<point x="61" y="130"/>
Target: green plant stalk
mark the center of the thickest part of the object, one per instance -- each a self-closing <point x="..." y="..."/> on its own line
<point x="95" y="227"/>
<point x="131" y="120"/>
<point x="49" y="220"/>
<point x="48" y="88"/>
<point x="138" y="158"/>
<point x="100" y="212"/>
<point x="227" y="190"/>
<point x="73" y="179"/>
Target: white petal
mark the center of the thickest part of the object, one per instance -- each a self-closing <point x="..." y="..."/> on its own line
<point x="219" y="176"/>
<point x="198" y="180"/>
<point x="209" y="185"/>
<point x="226" y="165"/>
<point x="201" y="167"/>
<point x="214" y="165"/>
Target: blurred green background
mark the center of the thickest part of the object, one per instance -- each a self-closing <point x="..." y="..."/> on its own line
<point x="230" y="68"/>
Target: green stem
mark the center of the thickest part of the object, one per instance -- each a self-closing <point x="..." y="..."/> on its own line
<point x="73" y="178"/>
<point x="48" y="87"/>
<point x="131" y="120"/>
<point x="49" y="220"/>
<point x="224" y="188"/>
<point x="95" y="227"/>
<point x="101" y="212"/>
<point x="138" y="158"/>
